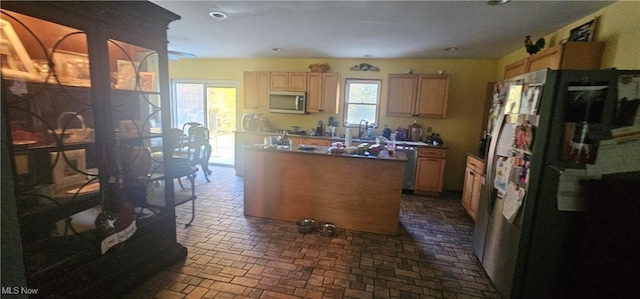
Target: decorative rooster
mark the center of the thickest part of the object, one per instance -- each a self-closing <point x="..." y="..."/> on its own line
<point x="531" y="47"/>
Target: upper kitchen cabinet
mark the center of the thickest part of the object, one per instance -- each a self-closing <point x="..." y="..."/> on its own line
<point x="517" y="68"/>
<point x="566" y="56"/>
<point x="283" y="81"/>
<point x="323" y="92"/>
<point x="85" y="105"/>
<point x="256" y="90"/>
<point x="418" y="95"/>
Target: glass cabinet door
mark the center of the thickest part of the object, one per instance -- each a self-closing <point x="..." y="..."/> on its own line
<point x="50" y="115"/>
<point x="87" y="154"/>
<point x="136" y="111"/>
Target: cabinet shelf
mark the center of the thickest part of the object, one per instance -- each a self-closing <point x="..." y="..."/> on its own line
<point x="80" y="249"/>
<point x="52" y="212"/>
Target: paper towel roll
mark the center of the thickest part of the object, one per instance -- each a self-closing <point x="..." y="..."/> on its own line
<point x="347" y="137"/>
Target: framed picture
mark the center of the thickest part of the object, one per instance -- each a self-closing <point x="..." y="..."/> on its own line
<point x="530" y="99"/>
<point x="514" y="96"/>
<point x="127" y="74"/>
<point x="72" y="68"/>
<point x="583" y="33"/>
<point x="147" y="81"/>
<point x="69" y="174"/>
<point x="14" y="58"/>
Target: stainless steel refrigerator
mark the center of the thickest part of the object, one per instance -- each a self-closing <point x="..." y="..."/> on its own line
<point x="542" y="124"/>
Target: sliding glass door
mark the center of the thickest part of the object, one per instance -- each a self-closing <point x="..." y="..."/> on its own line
<point x="213" y="104"/>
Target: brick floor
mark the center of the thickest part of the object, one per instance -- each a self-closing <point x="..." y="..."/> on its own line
<point x="235" y="256"/>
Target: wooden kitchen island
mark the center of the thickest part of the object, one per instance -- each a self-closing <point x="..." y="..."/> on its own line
<point x="353" y="192"/>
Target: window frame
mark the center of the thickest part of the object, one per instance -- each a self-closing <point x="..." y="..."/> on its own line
<point x="347" y="83"/>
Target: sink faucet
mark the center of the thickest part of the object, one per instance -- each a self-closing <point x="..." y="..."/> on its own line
<point x="361" y="130"/>
<point x="74" y="114"/>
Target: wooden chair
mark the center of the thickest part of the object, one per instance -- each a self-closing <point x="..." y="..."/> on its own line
<point x="195" y="146"/>
<point x="182" y="168"/>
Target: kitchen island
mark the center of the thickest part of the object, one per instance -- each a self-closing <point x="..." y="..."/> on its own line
<point x="353" y="192"/>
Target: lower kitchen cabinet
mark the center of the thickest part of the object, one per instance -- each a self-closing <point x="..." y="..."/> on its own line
<point x="430" y="171"/>
<point x="472" y="186"/>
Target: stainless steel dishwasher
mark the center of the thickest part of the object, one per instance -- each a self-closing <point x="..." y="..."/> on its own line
<point x="409" y="175"/>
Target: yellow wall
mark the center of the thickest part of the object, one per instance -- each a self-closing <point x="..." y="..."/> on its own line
<point x="460" y="130"/>
<point x="617" y="25"/>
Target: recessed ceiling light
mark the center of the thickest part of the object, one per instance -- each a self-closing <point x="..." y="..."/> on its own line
<point x="451" y="49"/>
<point x="497" y="2"/>
<point x="218" y="15"/>
<point x="278" y="49"/>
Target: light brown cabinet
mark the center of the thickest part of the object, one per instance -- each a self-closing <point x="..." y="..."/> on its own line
<point x="567" y="56"/>
<point x="517" y="68"/>
<point x="256" y="90"/>
<point x="317" y="142"/>
<point x="430" y="171"/>
<point x="472" y="186"/>
<point x="323" y="92"/>
<point x="287" y="81"/>
<point x="412" y="95"/>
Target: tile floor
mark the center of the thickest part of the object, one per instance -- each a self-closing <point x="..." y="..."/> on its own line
<point x="233" y="256"/>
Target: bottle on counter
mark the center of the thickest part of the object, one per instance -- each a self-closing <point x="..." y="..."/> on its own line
<point x="348" y="137"/>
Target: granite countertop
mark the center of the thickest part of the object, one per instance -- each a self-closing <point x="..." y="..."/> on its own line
<point x="324" y="150"/>
<point x="337" y="138"/>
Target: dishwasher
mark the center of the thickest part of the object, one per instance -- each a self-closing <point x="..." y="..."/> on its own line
<point x="409" y="174"/>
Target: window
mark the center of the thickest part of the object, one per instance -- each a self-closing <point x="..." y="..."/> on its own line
<point x="362" y="97"/>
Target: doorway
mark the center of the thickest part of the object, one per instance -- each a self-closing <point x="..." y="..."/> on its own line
<point x="214" y="104"/>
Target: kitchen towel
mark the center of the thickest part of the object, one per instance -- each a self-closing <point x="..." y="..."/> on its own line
<point x="347" y="137"/>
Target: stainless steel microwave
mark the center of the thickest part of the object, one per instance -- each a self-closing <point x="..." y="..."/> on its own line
<point x="287" y="102"/>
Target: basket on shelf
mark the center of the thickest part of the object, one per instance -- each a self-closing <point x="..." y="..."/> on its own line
<point x="319" y="67"/>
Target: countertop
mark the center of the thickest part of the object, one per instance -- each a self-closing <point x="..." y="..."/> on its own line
<point x="323" y="150"/>
<point x="336" y="139"/>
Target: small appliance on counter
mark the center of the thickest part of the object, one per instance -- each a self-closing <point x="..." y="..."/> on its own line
<point x="248" y="122"/>
<point x="434" y="139"/>
<point x="255" y="122"/>
<point x="415" y="131"/>
<point x="401" y="134"/>
<point x="320" y="128"/>
<point x="386" y="132"/>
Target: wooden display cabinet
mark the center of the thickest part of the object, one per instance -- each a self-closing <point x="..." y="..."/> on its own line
<point x="430" y="171"/>
<point x="412" y="95"/>
<point x="472" y="186"/>
<point x="85" y="105"/>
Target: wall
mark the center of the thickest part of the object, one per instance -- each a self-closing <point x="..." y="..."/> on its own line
<point x="618" y="25"/>
<point x="460" y="130"/>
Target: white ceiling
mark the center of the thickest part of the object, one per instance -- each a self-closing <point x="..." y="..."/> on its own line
<point x="354" y="29"/>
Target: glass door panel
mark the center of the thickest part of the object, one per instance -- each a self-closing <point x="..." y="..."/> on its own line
<point x="50" y="117"/>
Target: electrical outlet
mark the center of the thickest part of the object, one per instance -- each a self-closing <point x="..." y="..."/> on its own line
<point x="429" y="129"/>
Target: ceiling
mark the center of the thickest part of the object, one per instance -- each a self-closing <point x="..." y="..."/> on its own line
<point x="357" y="29"/>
